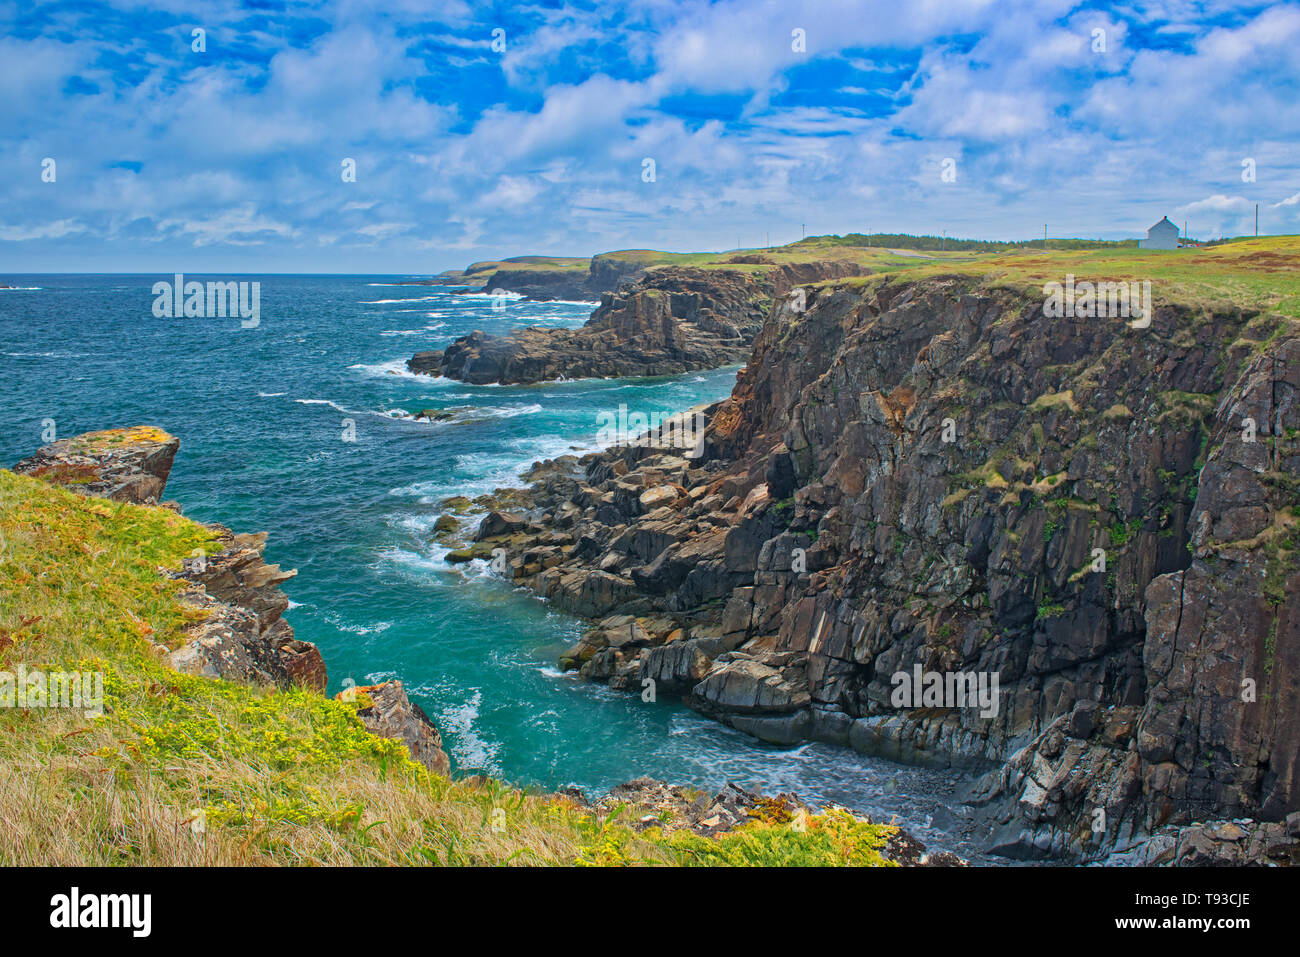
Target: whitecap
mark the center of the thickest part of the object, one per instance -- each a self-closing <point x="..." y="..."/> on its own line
<point x="48" y="355"/>
<point x="470" y="749"/>
<point x="381" y="302"/>
<point x="509" y="411"/>
<point x="393" y="367"/>
<point x="490" y="295"/>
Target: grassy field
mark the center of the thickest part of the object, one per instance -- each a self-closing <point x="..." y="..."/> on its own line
<point x="577" y="265"/>
<point x="1261" y="273"/>
<point x="806" y="251"/>
<point x="183" y="770"/>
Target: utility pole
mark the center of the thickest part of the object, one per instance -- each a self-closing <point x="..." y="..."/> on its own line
<point x="944" y="246"/>
<point x="1257" y="220"/>
<point x="1044" y="235"/>
<point x="803" y="228"/>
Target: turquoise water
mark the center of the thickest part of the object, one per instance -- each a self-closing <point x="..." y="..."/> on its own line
<point x="260" y="414"/>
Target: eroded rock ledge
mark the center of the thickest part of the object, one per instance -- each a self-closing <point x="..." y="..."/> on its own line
<point x="922" y="473"/>
<point x="671" y="320"/>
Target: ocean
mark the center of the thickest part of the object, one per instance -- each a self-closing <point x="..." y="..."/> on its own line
<point x="304" y="427"/>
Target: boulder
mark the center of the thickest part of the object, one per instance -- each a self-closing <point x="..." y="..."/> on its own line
<point x="387" y="711"/>
<point x="497" y="524"/>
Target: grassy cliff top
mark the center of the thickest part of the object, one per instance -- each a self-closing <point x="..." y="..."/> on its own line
<point x="1261" y="273"/>
<point x="577" y="265"/>
<point x="110" y="439"/>
<point x="182" y="770"/>
<point x="747" y="260"/>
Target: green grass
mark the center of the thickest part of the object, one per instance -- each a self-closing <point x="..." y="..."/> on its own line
<point x="877" y="259"/>
<point x="576" y="264"/>
<point x="1253" y="274"/>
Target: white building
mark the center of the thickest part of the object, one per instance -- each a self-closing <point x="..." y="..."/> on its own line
<point x="1163" y="235"/>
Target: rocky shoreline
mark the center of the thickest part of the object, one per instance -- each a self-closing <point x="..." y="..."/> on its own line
<point x="672" y="319"/>
<point x="933" y="475"/>
<point x="242" y="636"/>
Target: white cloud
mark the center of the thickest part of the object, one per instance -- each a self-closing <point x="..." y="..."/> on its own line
<point x="241" y="226"/>
<point x="245" y="151"/>
<point x="55" y="230"/>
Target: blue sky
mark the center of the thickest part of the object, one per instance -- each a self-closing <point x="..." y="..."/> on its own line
<point x="230" y="159"/>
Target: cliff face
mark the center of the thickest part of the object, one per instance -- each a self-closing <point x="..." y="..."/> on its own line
<point x="126" y="465"/>
<point x="583" y="280"/>
<point x="671" y="320"/>
<point x="604" y="273"/>
<point x="541" y="285"/>
<point x="926" y="475"/>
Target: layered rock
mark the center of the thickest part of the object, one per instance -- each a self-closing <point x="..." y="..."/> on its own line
<point x="243" y="636"/>
<point x="934" y="476"/>
<point x="126" y="465"/>
<point x="604" y="273"/>
<point x="541" y="285"/>
<point x="1218" y="732"/>
<point x="671" y="320"/>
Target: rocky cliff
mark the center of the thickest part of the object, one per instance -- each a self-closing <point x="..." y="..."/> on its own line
<point x="543" y="279"/>
<point x="541" y="285"/>
<point x="1094" y="523"/>
<point x="239" y="633"/>
<point x="672" y="319"/>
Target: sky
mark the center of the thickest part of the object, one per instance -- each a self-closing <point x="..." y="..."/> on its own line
<point x="475" y="131"/>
